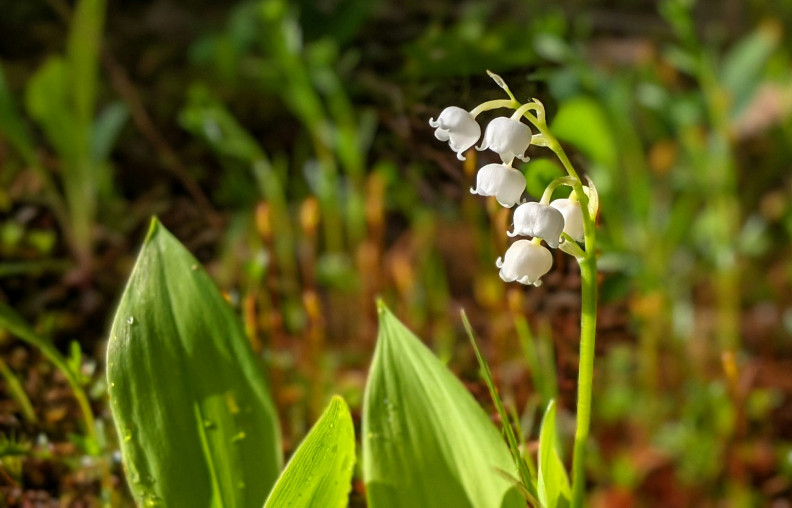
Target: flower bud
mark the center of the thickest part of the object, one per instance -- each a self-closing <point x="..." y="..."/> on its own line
<point x="525" y="262"/>
<point x="573" y="217"/>
<point x="540" y="221"/>
<point x="505" y="183"/>
<point x="458" y="127"/>
<point x="508" y="138"/>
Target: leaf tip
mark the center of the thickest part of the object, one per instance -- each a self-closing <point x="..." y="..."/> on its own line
<point x="154" y="225"/>
<point x="381" y="307"/>
<point x="338" y="400"/>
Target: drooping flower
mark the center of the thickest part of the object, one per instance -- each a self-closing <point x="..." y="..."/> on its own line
<point x="540" y="221"/>
<point x="525" y="262"/>
<point x="458" y="127"/>
<point x="505" y="183"/>
<point x="573" y="217"/>
<point x="508" y="138"/>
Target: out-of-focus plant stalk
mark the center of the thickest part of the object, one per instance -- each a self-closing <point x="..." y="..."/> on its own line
<point x="722" y="174"/>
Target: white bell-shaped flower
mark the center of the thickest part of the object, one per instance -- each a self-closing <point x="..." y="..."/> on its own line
<point x="505" y="183"/>
<point x="573" y="217"/>
<point x="540" y="221"/>
<point x="525" y="262"/>
<point x="458" y="127"/>
<point x="508" y="138"/>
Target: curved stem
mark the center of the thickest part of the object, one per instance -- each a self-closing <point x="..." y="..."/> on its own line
<point x="525" y="108"/>
<point x="489" y="105"/>
<point x="551" y="187"/>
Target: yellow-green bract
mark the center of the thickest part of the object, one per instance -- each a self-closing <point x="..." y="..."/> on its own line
<point x="426" y="442"/>
<point x="196" y="423"/>
<point x="320" y="472"/>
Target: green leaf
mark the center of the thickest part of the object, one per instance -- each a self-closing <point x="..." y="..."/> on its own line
<point x="582" y="122"/>
<point x="15" y="390"/>
<point x="106" y="129"/>
<point x="554" y="488"/>
<point x="426" y="442"/>
<point x="47" y="101"/>
<point x="742" y="67"/>
<point x="15" y="325"/>
<point x="11" y="124"/>
<point x="320" y="472"/>
<point x="538" y="175"/>
<point x="527" y="476"/>
<point x="205" y="116"/>
<point x="196" y="422"/>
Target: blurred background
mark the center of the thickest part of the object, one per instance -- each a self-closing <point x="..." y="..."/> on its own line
<point x="287" y="145"/>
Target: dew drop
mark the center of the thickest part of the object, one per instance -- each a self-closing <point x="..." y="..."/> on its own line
<point x="238" y="437"/>
<point x="131" y="320"/>
<point x="208" y="424"/>
<point x="194" y="267"/>
<point x="151" y="501"/>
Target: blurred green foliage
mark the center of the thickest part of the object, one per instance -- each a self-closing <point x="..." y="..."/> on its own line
<point x="305" y="124"/>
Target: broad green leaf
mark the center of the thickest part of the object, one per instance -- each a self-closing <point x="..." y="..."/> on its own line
<point x="554" y="488"/>
<point x="196" y="422"/>
<point x="426" y="442"/>
<point x="582" y="122"/>
<point x="320" y="472"/>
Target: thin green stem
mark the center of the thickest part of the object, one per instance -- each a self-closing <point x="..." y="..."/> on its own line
<point x="489" y="105"/>
<point x="588" y="325"/>
<point x="562" y="180"/>
<point x="525" y="108"/>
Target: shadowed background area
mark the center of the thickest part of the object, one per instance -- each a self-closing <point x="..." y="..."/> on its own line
<point x="287" y="145"/>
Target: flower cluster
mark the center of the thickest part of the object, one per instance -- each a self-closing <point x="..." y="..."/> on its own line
<point x="556" y="222"/>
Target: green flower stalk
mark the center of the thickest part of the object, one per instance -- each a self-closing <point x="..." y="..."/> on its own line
<point x="563" y="223"/>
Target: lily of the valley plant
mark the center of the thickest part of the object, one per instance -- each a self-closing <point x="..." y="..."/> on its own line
<point x="567" y="224"/>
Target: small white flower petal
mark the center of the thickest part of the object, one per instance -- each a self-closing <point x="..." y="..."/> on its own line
<point x="505" y="183"/>
<point x="458" y="127"/>
<point x="525" y="262"/>
<point x="508" y="138"/>
<point x="540" y="221"/>
<point x="573" y="217"/>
